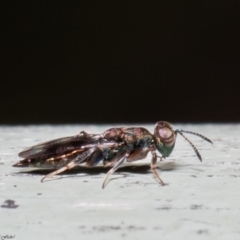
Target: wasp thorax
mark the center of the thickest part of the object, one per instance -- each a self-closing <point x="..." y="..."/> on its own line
<point x="165" y="133"/>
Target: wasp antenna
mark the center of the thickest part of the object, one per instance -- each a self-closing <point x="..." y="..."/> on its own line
<point x="194" y="148"/>
<point x="197" y="134"/>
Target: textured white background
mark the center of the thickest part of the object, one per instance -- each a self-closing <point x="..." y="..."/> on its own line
<point x="201" y="200"/>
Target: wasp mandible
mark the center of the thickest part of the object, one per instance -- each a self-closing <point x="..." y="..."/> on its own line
<point x="113" y="147"/>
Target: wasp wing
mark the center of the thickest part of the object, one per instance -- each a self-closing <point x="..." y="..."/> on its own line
<point x="58" y="152"/>
<point x="61" y="151"/>
<point x="59" y="146"/>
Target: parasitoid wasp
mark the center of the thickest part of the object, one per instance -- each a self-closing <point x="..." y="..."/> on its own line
<point x="113" y="147"/>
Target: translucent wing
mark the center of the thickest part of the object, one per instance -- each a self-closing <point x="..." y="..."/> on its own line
<point x="58" y="152"/>
<point x="59" y="146"/>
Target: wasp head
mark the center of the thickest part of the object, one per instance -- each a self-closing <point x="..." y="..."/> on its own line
<point x="165" y="138"/>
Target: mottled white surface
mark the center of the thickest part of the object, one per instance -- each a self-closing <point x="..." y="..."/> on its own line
<point x="201" y="200"/>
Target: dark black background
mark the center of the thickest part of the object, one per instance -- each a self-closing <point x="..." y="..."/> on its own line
<point x="121" y="61"/>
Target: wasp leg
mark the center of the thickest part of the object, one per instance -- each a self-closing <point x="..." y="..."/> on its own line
<point x="120" y="160"/>
<point x="153" y="167"/>
<point x="78" y="159"/>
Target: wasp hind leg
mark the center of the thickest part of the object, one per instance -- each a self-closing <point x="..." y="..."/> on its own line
<point x="79" y="158"/>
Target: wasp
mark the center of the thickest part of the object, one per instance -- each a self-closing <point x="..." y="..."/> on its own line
<point x="113" y="147"/>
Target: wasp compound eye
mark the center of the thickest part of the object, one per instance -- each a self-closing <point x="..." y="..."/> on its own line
<point x="165" y="133"/>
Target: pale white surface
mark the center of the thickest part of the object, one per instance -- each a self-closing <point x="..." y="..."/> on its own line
<point x="202" y="200"/>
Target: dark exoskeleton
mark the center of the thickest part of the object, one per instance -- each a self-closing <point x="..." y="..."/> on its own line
<point x="113" y="147"/>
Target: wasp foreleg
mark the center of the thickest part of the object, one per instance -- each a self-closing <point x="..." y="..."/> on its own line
<point x="153" y="167"/>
